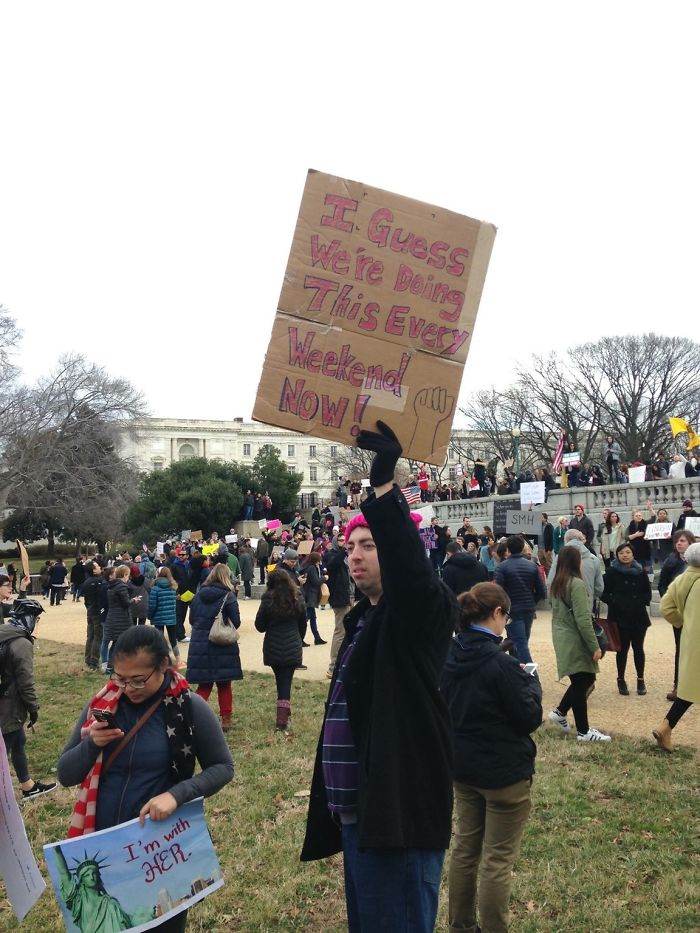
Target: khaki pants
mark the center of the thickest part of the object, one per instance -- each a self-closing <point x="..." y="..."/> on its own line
<point x="545" y="559"/>
<point x="338" y="634"/>
<point x="489" y="825"/>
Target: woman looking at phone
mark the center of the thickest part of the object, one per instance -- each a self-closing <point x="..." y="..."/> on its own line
<point x="152" y="773"/>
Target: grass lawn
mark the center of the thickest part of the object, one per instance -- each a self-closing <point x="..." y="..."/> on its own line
<point x="613" y="842"/>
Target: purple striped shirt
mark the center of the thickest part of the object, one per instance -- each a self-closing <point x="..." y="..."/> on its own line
<point x="339" y="756"/>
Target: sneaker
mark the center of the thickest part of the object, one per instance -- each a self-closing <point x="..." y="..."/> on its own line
<point x="184" y="641"/>
<point x="559" y="720"/>
<point x="594" y="736"/>
<point x="38" y="790"/>
<point x="301" y="667"/>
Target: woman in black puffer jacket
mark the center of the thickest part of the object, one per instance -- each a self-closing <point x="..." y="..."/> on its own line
<point x="282" y="617"/>
<point x="118" y="618"/>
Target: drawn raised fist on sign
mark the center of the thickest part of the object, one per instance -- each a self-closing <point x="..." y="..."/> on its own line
<point x="432" y="406"/>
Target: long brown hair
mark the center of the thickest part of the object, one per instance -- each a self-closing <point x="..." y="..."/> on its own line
<point x="568" y="567"/>
<point x="165" y="572"/>
<point x="283" y="592"/>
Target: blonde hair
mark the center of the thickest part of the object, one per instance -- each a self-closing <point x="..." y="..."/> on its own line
<point x="122" y="572"/>
<point x="221" y="575"/>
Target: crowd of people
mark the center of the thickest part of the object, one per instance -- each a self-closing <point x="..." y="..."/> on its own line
<point x="429" y="666"/>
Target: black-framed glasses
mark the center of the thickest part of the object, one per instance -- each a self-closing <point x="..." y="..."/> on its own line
<point x="136" y="683"/>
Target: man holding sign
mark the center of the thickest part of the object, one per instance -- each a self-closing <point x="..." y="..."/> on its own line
<point x="382" y="782"/>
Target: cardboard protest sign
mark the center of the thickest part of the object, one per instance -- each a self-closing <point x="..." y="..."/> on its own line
<point x="197" y="535"/>
<point x="18" y="867"/>
<point x="658" y="531"/>
<point x="692" y="525"/>
<point x="133" y="878"/>
<point x="24" y="557"/>
<point x="305" y="547"/>
<point x="637" y="474"/>
<point x="532" y="493"/>
<point x="375" y="317"/>
<point x="523" y="523"/>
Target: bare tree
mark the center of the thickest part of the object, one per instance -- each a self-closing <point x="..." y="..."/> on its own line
<point x="494" y="415"/>
<point x="60" y="449"/>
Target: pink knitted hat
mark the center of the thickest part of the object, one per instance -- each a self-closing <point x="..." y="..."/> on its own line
<point x="359" y="521"/>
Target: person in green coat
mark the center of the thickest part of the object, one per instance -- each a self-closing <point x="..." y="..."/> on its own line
<point x="575" y="645"/>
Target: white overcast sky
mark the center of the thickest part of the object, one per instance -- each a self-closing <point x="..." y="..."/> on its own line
<point x="153" y="156"/>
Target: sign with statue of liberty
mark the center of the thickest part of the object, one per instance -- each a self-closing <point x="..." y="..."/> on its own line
<point x="131" y="877"/>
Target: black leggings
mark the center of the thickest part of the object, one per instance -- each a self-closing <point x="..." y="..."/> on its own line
<point x="283" y="679"/>
<point x="576" y="699"/>
<point x="14" y="743"/>
<point x="172" y="635"/>
<point x="636" y="639"/>
<point x="674" y="714"/>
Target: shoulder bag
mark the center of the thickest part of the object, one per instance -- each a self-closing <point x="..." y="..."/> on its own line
<point x="221" y="631"/>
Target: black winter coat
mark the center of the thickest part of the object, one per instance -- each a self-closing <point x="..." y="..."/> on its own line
<point x="336" y="563"/>
<point x="398" y="717"/>
<point x="462" y="571"/>
<point x="312" y="588"/>
<point x="92" y="592"/>
<point x="494" y="706"/>
<point x="208" y="663"/>
<point x="671" y="568"/>
<point x="627" y="594"/>
<point x="283" y="633"/>
<point x="118" y="604"/>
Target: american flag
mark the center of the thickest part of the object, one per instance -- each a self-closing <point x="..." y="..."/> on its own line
<point x="411" y="494"/>
<point x="558" y="454"/>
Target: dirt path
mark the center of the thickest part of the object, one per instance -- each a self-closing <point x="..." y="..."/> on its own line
<point x="633" y="716"/>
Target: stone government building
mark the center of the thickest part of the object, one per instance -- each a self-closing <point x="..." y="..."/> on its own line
<point x="158" y="442"/>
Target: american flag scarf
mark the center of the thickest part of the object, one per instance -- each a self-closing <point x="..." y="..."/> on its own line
<point x="558" y="454"/>
<point x="178" y="721"/>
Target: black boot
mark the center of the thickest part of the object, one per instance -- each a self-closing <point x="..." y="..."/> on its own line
<point x="622" y="687"/>
<point x="641" y="687"/>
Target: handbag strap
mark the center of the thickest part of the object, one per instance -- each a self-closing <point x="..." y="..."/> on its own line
<point x="130" y="734"/>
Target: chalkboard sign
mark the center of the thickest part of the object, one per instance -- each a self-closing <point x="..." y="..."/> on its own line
<point x="500" y="509"/>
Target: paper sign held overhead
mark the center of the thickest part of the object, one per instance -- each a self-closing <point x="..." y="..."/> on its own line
<point x="692" y="524"/>
<point x="375" y="317"/>
<point x="532" y="493"/>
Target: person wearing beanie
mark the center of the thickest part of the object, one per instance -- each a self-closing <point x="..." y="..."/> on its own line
<point x="581" y="522"/>
<point x="382" y="782"/>
<point x="18" y="696"/>
<point x="687" y="512"/>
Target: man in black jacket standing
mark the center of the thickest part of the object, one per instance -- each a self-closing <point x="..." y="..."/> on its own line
<point x="336" y="563"/>
<point x="581" y="522"/>
<point x="92" y="591"/>
<point x="382" y="788"/>
<point x="461" y="571"/>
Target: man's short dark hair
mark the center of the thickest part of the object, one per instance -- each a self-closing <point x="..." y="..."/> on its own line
<point x="515" y="544"/>
<point x="452" y="547"/>
<point x="501" y="549"/>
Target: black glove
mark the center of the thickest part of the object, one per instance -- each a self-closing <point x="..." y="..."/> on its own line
<point x="387" y="450"/>
<point x="33" y="716"/>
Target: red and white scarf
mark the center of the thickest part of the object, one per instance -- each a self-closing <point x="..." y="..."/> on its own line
<point x="83" y="818"/>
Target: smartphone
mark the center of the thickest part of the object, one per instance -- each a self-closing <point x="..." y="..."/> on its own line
<point x="530" y="668"/>
<point x="104" y="715"/>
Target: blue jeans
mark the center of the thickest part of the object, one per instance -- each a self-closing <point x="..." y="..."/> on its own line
<point x="519" y="629"/>
<point x="247" y="513"/>
<point x="390" y="889"/>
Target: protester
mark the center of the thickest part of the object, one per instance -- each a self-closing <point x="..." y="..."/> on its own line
<point x="673" y="566"/>
<point x="45" y="579"/>
<point x="522" y="581"/>
<point x="138" y="595"/>
<point x="687" y="512"/>
<point x="77" y="578"/>
<point x="162" y="610"/>
<point x="681" y="607"/>
<point x="262" y="555"/>
<point x="118" y="618"/>
<point x="575" y="645"/>
<point x="628" y="593"/>
<point x="18" y="696"/>
<point x="152" y="774"/>
<point x="494" y="706"/>
<point x="558" y="534"/>
<point x="636" y="535"/>
<point x="312" y="593"/>
<point x="461" y="571"/>
<point x="393" y="823"/>
<point x="209" y="663"/>
<point x="611" y="456"/>
<point x="591" y="566"/>
<point x="336" y="563"/>
<point x="282" y="617"/>
<point x="246" y="561"/>
<point x="57" y="577"/>
<point x="92" y="593"/>
<point x="612" y="536"/>
<point x="581" y="522"/>
<point x="546" y="536"/>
